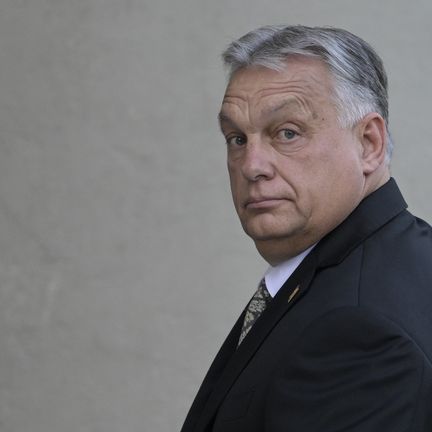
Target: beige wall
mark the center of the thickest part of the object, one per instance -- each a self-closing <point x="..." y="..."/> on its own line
<point x="122" y="264"/>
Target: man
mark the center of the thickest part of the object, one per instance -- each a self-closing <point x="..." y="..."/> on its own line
<point x="339" y="334"/>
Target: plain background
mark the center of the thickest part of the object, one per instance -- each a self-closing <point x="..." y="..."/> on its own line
<point x="122" y="263"/>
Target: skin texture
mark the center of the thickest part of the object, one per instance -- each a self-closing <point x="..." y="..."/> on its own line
<point x="295" y="173"/>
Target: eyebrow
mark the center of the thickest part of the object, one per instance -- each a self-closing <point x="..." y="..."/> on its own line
<point x="223" y="118"/>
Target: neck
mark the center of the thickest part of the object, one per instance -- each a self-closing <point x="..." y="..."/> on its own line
<point x="377" y="180"/>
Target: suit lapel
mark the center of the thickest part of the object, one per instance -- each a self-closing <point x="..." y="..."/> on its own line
<point x="293" y="289"/>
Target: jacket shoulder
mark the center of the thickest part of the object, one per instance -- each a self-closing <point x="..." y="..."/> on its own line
<point x="396" y="276"/>
<point x="370" y="374"/>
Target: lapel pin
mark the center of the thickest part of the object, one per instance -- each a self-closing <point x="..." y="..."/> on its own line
<point x="293" y="294"/>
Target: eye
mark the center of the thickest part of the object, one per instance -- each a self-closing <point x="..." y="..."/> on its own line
<point x="287" y="134"/>
<point x="236" y="141"/>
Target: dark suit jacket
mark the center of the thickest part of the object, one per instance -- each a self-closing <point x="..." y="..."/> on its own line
<point x="350" y="351"/>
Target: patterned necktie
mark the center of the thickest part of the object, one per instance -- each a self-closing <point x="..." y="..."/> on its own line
<point x="255" y="308"/>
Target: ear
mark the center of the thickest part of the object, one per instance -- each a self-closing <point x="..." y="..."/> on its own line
<point x="373" y="138"/>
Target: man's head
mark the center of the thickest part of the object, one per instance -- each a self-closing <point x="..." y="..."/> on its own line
<point x="305" y="117"/>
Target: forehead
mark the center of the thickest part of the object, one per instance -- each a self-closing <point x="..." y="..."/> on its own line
<point x="303" y="83"/>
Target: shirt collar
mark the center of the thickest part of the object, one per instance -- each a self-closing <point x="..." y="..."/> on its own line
<point x="276" y="276"/>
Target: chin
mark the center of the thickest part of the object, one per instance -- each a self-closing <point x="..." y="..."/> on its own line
<point x="268" y="233"/>
<point x="273" y="225"/>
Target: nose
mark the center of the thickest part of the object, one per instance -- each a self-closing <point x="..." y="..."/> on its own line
<point x="256" y="162"/>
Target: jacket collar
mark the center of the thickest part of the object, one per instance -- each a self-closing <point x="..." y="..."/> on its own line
<point x="377" y="209"/>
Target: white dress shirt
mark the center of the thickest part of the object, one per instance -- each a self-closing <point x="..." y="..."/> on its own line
<point x="275" y="277"/>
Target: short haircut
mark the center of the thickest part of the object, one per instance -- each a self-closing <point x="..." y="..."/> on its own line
<point x="360" y="81"/>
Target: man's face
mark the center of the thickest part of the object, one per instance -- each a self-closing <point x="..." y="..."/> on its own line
<point x="295" y="173"/>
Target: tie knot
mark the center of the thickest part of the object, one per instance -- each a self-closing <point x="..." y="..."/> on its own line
<point x="262" y="292"/>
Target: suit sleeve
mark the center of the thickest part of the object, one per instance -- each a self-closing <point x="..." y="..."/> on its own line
<point x="352" y="370"/>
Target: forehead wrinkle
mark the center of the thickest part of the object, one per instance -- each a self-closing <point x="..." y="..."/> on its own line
<point x="224" y="117"/>
<point x="300" y="87"/>
<point x="302" y="95"/>
<point x="227" y="97"/>
<point x="291" y="104"/>
<point x="302" y="91"/>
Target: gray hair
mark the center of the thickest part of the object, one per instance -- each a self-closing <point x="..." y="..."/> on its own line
<point x="360" y="81"/>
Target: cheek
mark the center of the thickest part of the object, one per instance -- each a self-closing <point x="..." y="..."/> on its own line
<point x="236" y="185"/>
<point x="337" y="157"/>
<point x="322" y="178"/>
<point x="233" y="169"/>
<point x="338" y="182"/>
<point x="233" y="177"/>
<point x="231" y="173"/>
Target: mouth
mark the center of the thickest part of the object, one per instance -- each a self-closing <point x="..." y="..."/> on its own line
<point x="263" y="203"/>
